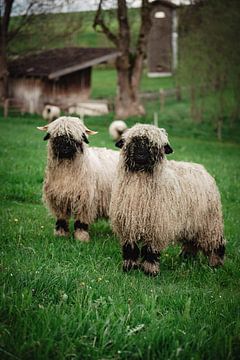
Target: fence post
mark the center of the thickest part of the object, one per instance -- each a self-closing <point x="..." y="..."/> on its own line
<point x="5" y="107"/>
<point x="178" y="93"/>
<point x="155" y="118"/>
<point x="162" y="99"/>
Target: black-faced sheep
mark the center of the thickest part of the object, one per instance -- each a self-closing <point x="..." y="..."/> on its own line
<point x="156" y="202"/>
<point x="78" y="179"/>
<point x="116" y="129"/>
<point x="51" y="113"/>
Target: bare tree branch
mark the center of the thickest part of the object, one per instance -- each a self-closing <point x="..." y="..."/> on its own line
<point x="24" y="20"/>
<point x="99" y="21"/>
<point x="6" y="16"/>
<point x="141" y="47"/>
<point x="124" y="29"/>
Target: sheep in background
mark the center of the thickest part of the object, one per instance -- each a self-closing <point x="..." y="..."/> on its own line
<point x="51" y="112"/>
<point x="156" y="202"/>
<point x="78" y="179"/>
<point x="117" y="128"/>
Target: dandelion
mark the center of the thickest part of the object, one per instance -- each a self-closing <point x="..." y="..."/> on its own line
<point x="64" y="297"/>
<point x="42" y="226"/>
<point x="99" y="279"/>
<point x="16" y="220"/>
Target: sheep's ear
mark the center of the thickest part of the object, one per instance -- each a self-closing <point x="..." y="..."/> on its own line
<point x="90" y="132"/>
<point x="120" y="143"/>
<point x="43" y="128"/>
<point x="168" y="149"/>
<point x="85" y="139"/>
<point x="46" y="137"/>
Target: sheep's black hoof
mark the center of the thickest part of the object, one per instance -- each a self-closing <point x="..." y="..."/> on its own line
<point x="129" y="265"/>
<point x="215" y="261"/>
<point x="150" y="269"/>
<point x="216" y="257"/>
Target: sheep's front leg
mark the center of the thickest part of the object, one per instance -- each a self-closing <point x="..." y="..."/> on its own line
<point x="81" y="231"/>
<point x="62" y="227"/>
<point x="150" y="260"/>
<point x="130" y="256"/>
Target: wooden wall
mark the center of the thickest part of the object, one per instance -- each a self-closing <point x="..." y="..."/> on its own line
<point x="65" y="91"/>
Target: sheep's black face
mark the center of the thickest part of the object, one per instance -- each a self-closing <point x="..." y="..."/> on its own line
<point x="141" y="155"/>
<point x="65" y="147"/>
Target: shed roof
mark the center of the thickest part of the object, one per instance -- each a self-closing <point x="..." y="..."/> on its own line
<point x="166" y="3"/>
<point x="55" y="63"/>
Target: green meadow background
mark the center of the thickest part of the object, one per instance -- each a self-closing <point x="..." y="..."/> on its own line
<point x="61" y="299"/>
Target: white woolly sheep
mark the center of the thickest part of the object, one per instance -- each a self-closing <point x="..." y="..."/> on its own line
<point x="51" y="112"/>
<point x="156" y="202"/>
<point x="78" y="179"/>
<point x="117" y="128"/>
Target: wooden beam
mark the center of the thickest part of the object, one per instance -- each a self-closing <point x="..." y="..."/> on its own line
<point x="84" y="65"/>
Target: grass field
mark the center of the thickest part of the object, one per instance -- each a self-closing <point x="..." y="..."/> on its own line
<point x="65" y="300"/>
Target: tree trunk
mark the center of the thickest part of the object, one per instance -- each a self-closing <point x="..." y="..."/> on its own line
<point x="3" y="70"/>
<point x="129" y="67"/>
<point x="127" y="101"/>
<point x="4" y="24"/>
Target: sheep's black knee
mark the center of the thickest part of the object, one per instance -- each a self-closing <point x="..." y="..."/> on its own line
<point x="80" y="226"/>
<point x="149" y="255"/>
<point x="131" y="254"/>
<point x="61" y="224"/>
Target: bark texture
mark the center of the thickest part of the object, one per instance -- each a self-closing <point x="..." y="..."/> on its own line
<point x="128" y="65"/>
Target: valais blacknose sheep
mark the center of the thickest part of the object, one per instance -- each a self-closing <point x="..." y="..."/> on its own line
<point x="78" y="179"/>
<point x="156" y="202"/>
<point x="51" y="113"/>
<point x="116" y="129"/>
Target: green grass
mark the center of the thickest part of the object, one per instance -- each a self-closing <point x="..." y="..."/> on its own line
<point x="104" y="83"/>
<point x="65" y="300"/>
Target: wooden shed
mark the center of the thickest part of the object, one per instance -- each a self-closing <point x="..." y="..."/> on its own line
<point x="162" y="43"/>
<point x="59" y="76"/>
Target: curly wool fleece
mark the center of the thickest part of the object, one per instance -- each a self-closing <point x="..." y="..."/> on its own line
<point x="178" y="201"/>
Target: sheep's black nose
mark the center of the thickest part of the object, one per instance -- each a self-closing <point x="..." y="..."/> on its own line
<point x="64" y="147"/>
<point x="141" y="156"/>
